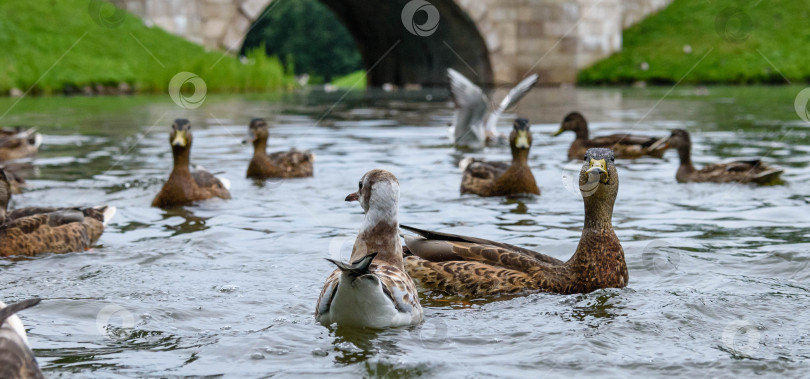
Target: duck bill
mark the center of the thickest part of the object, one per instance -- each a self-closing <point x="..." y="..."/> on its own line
<point x="180" y="139"/>
<point x="598" y="168"/>
<point x="251" y="137"/>
<point x="522" y="141"/>
<point x="558" y="132"/>
<point x="353" y="197"/>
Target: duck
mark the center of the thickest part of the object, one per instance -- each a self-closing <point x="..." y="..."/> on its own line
<point x="282" y="164"/>
<point x="473" y="267"/>
<point x="35" y="230"/>
<point x="624" y="146"/>
<point x="740" y="171"/>
<point x="502" y="178"/>
<point x="16" y="358"/>
<point x="374" y="290"/>
<point x="469" y="128"/>
<point x="17" y="143"/>
<point x="185" y="186"/>
<point x="16" y="182"/>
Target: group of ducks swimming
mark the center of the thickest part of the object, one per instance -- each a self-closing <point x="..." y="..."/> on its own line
<point x="378" y="287"/>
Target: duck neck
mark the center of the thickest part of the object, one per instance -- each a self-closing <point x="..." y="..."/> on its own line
<point x="181" y="160"/>
<point x="379" y="234"/>
<point x="520" y="157"/>
<point x="581" y="131"/>
<point x="685" y="155"/>
<point x="597" y="232"/>
<point x="260" y="147"/>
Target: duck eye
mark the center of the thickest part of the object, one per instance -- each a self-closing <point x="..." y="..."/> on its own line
<point x="586" y="157"/>
<point x="360" y="185"/>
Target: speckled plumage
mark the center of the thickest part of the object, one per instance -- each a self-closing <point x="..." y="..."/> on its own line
<point x="475" y="267"/>
<point x="34" y="230"/>
<point x="374" y="291"/>
<point x="16" y="358"/>
<point x="184" y="186"/>
<point x="624" y="146"/>
<point x="735" y="171"/>
<point x="282" y="164"/>
<point x="500" y="178"/>
<point x="16" y="143"/>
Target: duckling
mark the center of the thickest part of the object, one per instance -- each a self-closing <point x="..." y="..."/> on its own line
<point x="282" y="164"/>
<point x="31" y="231"/>
<point x="16" y="143"/>
<point x="501" y="178"/>
<point x="185" y="186"/>
<point x="16" y="358"/>
<point x="624" y="146"/>
<point x="475" y="267"/>
<point x="469" y="128"/>
<point x="740" y="171"/>
<point x="374" y="291"/>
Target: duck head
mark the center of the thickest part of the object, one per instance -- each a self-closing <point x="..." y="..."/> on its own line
<point x="180" y="137"/>
<point x="680" y="140"/>
<point x="599" y="185"/>
<point x="520" y="139"/>
<point x="258" y="132"/>
<point x="575" y="122"/>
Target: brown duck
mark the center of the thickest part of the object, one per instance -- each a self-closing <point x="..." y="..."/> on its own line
<point x="16" y="358"/>
<point x="34" y="230"/>
<point x="501" y="178"/>
<point x="475" y="267"/>
<point x="739" y="171"/>
<point x="282" y="164"/>
<point x="16" y="143"/>
<point x="16" y="181"/>
<point x="185" y="186"/>
<point x="624" y="146"/>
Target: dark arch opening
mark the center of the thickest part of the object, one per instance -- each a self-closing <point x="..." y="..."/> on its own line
<point x="392" y="54"/>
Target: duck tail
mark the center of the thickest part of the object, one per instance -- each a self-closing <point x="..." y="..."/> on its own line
<point x="11" y="309"/>
<point x="357" y="268"/>
<point x="464" y="163"/>
<point x="107" y="213"/>
<point x="225" y="182"/>
<point x="37" y="140"/>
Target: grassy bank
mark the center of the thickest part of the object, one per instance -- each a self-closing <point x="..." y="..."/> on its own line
<point x="722" y="41"/>
<point x="61" y="46"/>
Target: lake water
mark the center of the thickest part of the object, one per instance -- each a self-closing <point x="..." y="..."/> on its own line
<point x="719" y="274"/>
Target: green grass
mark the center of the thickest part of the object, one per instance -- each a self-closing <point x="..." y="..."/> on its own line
<point x="55" y="46"/>
<point x="356" y="79"/>
<point x="777" y="32"/>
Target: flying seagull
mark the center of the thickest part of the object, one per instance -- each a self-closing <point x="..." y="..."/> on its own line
<point x="469" y="128"/>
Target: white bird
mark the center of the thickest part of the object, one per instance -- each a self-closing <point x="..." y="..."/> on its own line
<point x="469" y="128"/>
<point x="16" y="358"/>
<point x="374" y="291"/>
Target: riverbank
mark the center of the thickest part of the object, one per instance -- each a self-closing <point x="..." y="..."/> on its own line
<point x="65" y="47"/>
<point x="722" y="41"/>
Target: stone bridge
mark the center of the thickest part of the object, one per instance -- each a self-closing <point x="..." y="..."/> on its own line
<point x="413" y="41"/>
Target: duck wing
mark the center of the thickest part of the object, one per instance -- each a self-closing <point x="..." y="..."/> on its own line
<point x="471" y="107"/>
<point x="512" y="98"/>
<point x="622" y="139"/>
<point x="437" y="247"/>
<point x="207" y="180"/>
